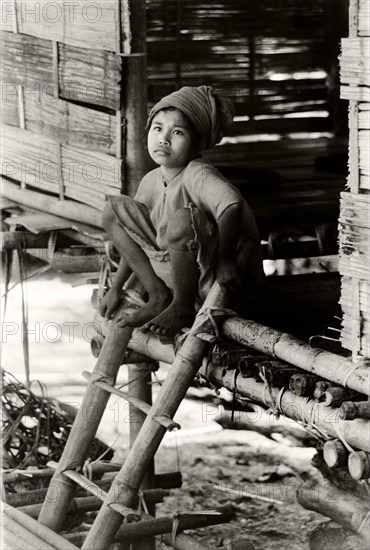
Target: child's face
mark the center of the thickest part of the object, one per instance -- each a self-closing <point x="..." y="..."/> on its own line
<point x="170" y="143"/>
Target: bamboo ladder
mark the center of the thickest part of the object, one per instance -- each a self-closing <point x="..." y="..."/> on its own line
<point x="118" y="502"/>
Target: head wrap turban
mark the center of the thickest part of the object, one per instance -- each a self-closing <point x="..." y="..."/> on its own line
<point x="209" y="113"/>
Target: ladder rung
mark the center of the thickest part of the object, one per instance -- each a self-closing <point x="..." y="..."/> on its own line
<point x="165" y="421"/>
<point x="85" y="483"/>
<point x="129" y="514"/>
<point x="96" y="468"/>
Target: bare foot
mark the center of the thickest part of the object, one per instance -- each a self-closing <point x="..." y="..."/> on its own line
<point x="171" y="320"/>
<point x="151" y="309"/>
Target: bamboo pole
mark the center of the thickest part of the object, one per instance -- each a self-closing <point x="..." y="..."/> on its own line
<point x="343" y="507"/>
<point x="278" y="344"/>
<point x="171" y="480"/>
<point x="35" y="528"/>
<point x="24" y="539"/>
<point x="335" y="453"/>
<point x="66" y="209"/>
<point x="25" y="475"/>
<point x="359" y="465"/>
<point x="355" y="432"/>
<point x="161" y="525"/>
<point x="61" y="490"/>
<point x="151" y="346"/>
<point x="91" y="503"/>
<point x="297" y="408"/>
<point x="128" y="480"/>
<point x="139" y="377"/>
<point x="350" y="410"/>
<point x="134" y="91"/>
<point x="10" y="540"/>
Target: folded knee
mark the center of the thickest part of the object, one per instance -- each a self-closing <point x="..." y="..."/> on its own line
<point x="180" y="230"/>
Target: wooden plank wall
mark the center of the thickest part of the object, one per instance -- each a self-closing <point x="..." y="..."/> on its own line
<point x="354" y="220"/>
<point x="61" y="74"/>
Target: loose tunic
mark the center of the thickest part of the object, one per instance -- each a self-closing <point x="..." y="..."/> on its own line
<point x="200" y="187"/>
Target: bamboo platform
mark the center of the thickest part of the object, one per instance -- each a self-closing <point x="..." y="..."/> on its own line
<point x="75" y="98"/>
<point x="248" y="376"/>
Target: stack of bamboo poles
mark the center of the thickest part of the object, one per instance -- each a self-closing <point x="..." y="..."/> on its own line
<point x="62" y="119"/>
<point x="22" y="532"/>
<point x="354" y="224"/>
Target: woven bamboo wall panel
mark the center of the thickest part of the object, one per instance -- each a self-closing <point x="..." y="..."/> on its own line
<point x="90" y="175"/>
<point x="30" y="159"/>
<point x="9" y="107"/>
<point x="90" y="77"/>
<point x="80" y="75"/>
<point x="66" y="122"/>
<point x="26" y="60"/>
<point x="44" y="164"/>
<point x="87" y="24"/>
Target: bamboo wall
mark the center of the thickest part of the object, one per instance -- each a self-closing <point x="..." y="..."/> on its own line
<point x="270" y="56"/>
<point x="64" y="70"/>
<point x="354" y="221"/>
<point x="62" y="85"/>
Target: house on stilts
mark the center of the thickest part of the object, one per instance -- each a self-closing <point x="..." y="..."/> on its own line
<point x="78" y="79"/>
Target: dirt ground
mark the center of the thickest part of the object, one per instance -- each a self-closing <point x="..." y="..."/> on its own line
<point x="257" y="475"/>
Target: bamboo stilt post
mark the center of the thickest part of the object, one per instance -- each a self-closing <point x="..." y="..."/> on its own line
<point x="61" y="490"/>
<point x="128" y="480"/>
<point x="278" y="344"/>
<point x="140" y="387"/>
<point x="134" y="91"/>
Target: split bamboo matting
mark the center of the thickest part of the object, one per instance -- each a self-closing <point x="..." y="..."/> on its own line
<point x="62" y="123"/>
<point x="80" y="75"/>
<point x="65" y="75"/>
<point x="41" y="163"/>
<point x="86" y="24"/>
